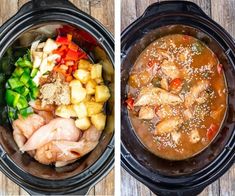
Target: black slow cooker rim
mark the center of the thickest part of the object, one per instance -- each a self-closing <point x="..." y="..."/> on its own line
<point x="127" y="160"/>
<point x="106" y="161"/>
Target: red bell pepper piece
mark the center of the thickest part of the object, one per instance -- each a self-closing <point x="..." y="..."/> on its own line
<point x="130" y="103"/>
<point x="151" y="63"/>
<point x="69" y="63"/>
<point x="73" y="46"/>
<point x="71" y="55"/>
<point x="211" y="131"/>
<point x="69" y="37"/>
<point x="175" y="83"/>
<point x="62" y="40"/>
<point x="219" y="68"/>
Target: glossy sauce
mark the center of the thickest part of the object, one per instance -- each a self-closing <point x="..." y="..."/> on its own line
<point x="182" y="67"/>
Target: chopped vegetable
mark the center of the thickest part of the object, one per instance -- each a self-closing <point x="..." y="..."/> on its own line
<point x="219" y="68"/>
<point x="18" y="72"/>
<point x="26" y="111"/>
<point x="197" y="47"/>
<point x="22" y="103"/>
<point x="151" y="63"/>
<point x="25" y="78"/>
<point x="175" y="83"/>
<point x="34" y="72"/>
<point x="130" y="103"/>
<point x="15" y="83"/>
<point x="212" y="131"/>
<point x="12" y="98"/>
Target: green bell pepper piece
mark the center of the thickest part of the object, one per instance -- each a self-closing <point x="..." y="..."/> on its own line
<point x="12" y="98"/>
<point x="34" y="72"/>
<point x="25" y="78"/>
<point x="22" y="103"/>
<point x="31" y="83"/>
<point x="24" y="91"/>
<point x="34" y="92"/>
<point x="21" y="62"/>
<point x="12" y="113"/>
<point x="26" y="111"/>
<point x="18" y="72"/>
<point x="15" y="83"/>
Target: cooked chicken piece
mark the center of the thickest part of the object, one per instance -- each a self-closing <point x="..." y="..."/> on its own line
<point x="194" y="136"/>
<point x="156" y="96"/>
<point x="62" y="152"/>
<point x="170" y="69"/>
<point x="57" y="129"/>
<point x="146" y="113"/>
<point x="164" y="84"/>
<point x="23" y="128"/>
<point x="168" y="125"/>
<point x="216" y="114"/>
<point x="187" y="114"/>
<point x="195" y="92"/>
<point x="175" y="136"/>
<point x="164" y="111"/>
<point x="203" y="97"/>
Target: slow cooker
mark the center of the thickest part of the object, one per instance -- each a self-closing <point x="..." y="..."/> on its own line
<point x="191" y="176"/>
<point x="77" y="178"/>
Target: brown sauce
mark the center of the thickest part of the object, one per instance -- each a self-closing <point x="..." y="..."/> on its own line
<point x="179" y="96"/>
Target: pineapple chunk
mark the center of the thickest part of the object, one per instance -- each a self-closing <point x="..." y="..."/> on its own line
<point x="84" y="64"/>
<point x="98" y="120"/>
<point x="83" y="123"/>
<point x="96" y="71"/>
<point x="102" y="93"/>
<point x="99" y="80"/>
<point x="80" y="109"/>
<point x="65" y="111"/>
<point x="82" y="75"/>
<point x="75" y="83"/>
<point x="93" y="107"/>
<point x="78" y="93"/>
<point x="90" y="87"/>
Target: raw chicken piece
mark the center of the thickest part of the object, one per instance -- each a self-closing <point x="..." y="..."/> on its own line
<point x="24" y="128"/>
<point x="170" y="69"/>
<point x="195" y="92"/>
<point x="146" y="112"/>
<point x="64" y="152"/>
<point x="194" y="136"/>
<point x="168" y="125"/>
<point x="48" y="116"/>
<point x="57" y="129"/>
<point x="156" y="96"/>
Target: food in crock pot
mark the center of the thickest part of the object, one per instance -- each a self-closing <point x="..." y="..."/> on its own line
<point x="177" y="96"/>
<point x="55" y="99"/>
